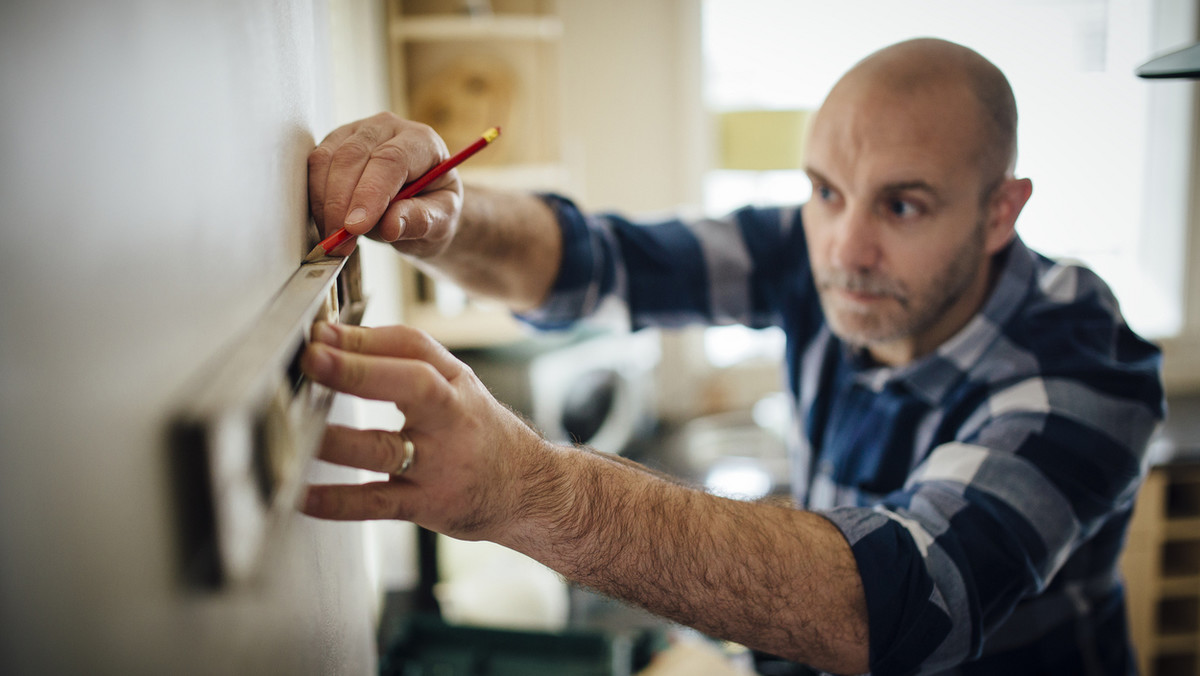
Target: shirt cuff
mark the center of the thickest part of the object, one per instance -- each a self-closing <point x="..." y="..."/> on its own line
<point x="906" y="619"/>
<point x="573" y="294"/>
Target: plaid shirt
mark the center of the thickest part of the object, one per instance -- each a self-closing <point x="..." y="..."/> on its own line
<point x="985" y="489"/>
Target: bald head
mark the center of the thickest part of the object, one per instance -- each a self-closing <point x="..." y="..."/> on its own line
<point x="941" y="70"/>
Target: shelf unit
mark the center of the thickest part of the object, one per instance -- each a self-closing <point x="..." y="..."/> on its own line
<point x="475" y="27"/>
<point x="462" y="66"/>
<point x="1161" y="564"/>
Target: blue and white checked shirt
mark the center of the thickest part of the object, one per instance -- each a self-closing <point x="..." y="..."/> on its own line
<point x="985" y="489"/>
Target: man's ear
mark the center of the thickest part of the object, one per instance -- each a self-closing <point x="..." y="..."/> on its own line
<point x="1003" y="207"/>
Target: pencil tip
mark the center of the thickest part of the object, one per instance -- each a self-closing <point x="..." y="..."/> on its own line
<point x="315" y="255"/>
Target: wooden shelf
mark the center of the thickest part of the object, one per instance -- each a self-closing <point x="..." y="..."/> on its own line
<point x="493" y="27"/>
<point x="1183" y="528"/>
<point x="531" y="175"/>
<point x="462" y="73"/>
<point x="1176" y="644"/>
<point x="1179" y="585"/>
<point x="474" y="326"/>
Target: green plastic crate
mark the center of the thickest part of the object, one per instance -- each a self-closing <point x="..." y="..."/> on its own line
<point x="427" y="646"/>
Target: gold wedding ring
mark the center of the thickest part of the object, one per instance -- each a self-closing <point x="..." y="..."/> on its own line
<point x="410" y="451"/>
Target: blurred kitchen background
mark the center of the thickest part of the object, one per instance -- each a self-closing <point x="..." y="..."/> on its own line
<point x="155" y="201"/>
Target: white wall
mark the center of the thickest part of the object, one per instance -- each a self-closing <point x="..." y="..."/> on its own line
<point x="152" y="173"/>
<point x="633" y="123"/>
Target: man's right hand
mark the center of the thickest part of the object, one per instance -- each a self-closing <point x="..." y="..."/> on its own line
<point x="359" y="167"/>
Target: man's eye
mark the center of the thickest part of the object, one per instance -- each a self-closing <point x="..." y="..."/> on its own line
<point x="824" y="192"/>
<point x="903" y="209"/>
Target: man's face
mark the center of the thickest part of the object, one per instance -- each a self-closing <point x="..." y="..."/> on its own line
<point x="897" y="235"/>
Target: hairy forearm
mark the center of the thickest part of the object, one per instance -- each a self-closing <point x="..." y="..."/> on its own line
<point x="764" y="574"/>
<point x="507" y="246"/>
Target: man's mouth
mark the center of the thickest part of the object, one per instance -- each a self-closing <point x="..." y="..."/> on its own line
<point x="862" y="297"/>
<point x="860" y="289"/>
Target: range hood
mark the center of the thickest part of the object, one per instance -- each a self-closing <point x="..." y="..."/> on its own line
<point x="1182" y="63"/>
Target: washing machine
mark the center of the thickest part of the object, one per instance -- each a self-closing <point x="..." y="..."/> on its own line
<point x="595" y="389"/>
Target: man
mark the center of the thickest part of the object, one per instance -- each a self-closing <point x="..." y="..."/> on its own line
<point x="971" y="417"/>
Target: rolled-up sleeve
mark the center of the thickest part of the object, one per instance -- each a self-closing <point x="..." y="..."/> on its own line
<point x="672" y="272"/>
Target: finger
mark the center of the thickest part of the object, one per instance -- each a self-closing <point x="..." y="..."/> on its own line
<point x="414" y="386"/>
<point x="372" y="450"/>
<point x="426" y="217"/>
<point x="346" y="166"/>
<point x="398" y="341"/>
<point x="402" y="158"/>
<point x="376" y="500"/>
<point x="318" y="171"/>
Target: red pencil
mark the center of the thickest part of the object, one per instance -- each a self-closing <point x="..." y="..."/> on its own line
<point x="331" y="242"/>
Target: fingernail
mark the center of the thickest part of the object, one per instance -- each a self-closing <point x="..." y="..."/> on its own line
<point x="317" y="359"/>
<point x="357" y="216"/>
<point x="323" y="332"/>
<point x="400" y="223"/>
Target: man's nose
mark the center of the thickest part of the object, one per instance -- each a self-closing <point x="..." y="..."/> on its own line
<point x="856" y="241"/>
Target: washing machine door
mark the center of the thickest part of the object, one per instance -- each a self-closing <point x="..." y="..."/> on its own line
<point x="597" y="392"/>
<point x="588" y="404"/>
